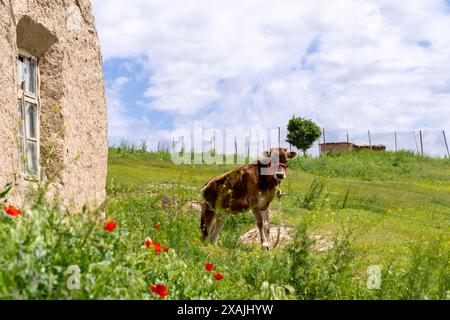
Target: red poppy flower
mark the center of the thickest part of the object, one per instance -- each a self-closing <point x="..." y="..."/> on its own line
<point x="11" y="211"/>
<point x="218" y="276"/>
<point x="157" y="247"/>
<point x="148" y="243"/>
<point x="209" y="267"/>
<point x="166" y="249"/>
<point x="110" y="226"/>
<point x="156" y="227"/>
<point x="160" y="290"/>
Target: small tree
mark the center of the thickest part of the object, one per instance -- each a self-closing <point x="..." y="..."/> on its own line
<point x="302" y="133"/>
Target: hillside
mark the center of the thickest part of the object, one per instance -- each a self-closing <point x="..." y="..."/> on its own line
<point x="344" y="214"/>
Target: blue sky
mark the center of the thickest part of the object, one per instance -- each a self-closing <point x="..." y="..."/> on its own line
<point x="348" y="64"/>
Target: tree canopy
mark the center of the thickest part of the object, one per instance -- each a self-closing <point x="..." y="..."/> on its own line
<point x="302" y="133"/>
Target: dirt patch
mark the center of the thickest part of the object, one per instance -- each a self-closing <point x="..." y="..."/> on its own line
<point x="320" y="243"/>
<point x="252" y="236"/>
<point x="172" y="204"/>
<point x="193" y="206"/>
<point x="169" y="203"/>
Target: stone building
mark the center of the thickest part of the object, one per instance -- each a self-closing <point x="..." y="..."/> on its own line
<point x="338" y="147"/>
<point x="335" y="147"/>
<point x="53" y="122"/>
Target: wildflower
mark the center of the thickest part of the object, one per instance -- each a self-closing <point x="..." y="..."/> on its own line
<point x="156" y="227"/>
<point x="160" y="290"/>
<point x="166" y="249"/>
<point x="148" y="243"/>
<point x="209" y="267"/>
<point x="157" y="247"/>
<point x="218" y="276"/>
<point x="11" y="210"/>
<point x="110" y="226"/>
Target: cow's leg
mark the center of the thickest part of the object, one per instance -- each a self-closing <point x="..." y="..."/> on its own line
<point x="266" y="224"/>
<point x="260" y="225"/>
<point x="217" y="227"/>
<point x="206" y="221"/>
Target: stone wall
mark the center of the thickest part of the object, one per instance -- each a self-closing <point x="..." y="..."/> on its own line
<point x="331" y="148"/>
<point x="338" y="147"/>
<point x="73" y="120"/>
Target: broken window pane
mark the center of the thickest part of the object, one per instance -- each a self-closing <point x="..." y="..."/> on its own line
<point x="31" y="120"/>
<point x="32" y="158"/>
<point x="31" y="79"/>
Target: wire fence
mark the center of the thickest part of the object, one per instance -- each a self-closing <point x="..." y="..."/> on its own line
<point x="252" y="142"/>
<point x="431" y="143"/>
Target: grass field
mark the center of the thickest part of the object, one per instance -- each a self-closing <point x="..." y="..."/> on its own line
<point x="391" y="210"/>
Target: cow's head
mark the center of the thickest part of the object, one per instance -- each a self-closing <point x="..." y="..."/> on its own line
<point x="275" y="162"/>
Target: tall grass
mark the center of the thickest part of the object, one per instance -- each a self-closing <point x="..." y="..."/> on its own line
<point x="376" y="166"/>
<point x="44" y="250"/>
<point x="40" y="248"/>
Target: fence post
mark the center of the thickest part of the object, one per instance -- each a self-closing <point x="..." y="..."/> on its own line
<point x="370" y="139"/>
<point x="248" y="147"/>
<point x="214" y="150"/>
<point x="324" y="137"/>
<point x="182" y="146"/>
<point x="279" y="136"/>
<point x="421" y="142"/>
<point x="158" y="146"/>
<point x="446" y="144"/>
<point x="235" y="150"/>
<point x="173" y="144"/>
<point x="348" y="138"/>
<point x="415" y="140"/>
<point x="396" y="146"/>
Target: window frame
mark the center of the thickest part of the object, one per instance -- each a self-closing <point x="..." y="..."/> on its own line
<point x="25" y="97"/>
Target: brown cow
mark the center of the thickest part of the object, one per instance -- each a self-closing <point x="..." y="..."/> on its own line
<point x="249" y="187"/>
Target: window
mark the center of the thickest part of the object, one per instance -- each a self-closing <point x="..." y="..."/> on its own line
<point x="28" y="103"/>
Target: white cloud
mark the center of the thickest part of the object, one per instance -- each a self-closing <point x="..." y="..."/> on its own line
<point x="124" y="126"/>
<point x="246" y="63"/>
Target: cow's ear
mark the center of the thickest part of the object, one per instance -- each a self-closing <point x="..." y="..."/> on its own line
<point x="292" y="155"/>
<point x="266" y="154"/>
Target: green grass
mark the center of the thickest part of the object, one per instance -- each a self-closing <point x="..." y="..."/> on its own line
<point x="386" y="209"/>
